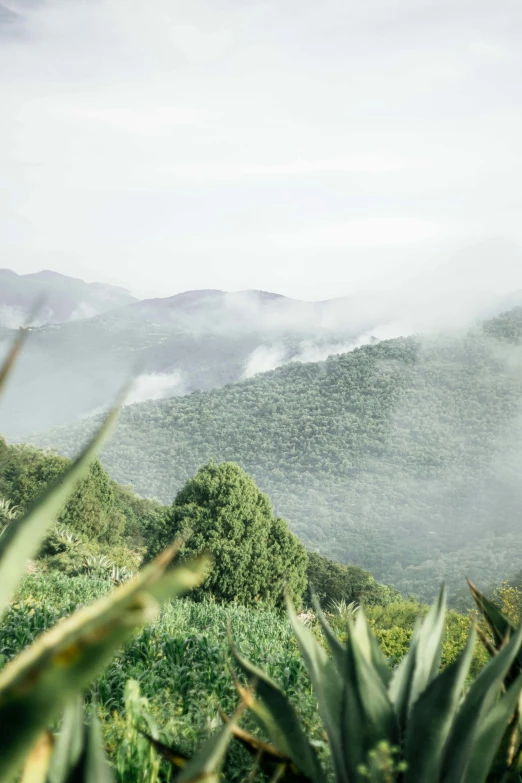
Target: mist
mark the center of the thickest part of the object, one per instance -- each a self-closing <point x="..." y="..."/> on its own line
<point x="155" y="386"/>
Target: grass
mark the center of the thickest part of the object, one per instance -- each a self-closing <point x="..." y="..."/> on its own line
<point x="180" y="661"/>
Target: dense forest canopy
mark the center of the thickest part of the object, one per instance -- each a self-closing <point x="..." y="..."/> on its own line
<point x="255" y="556"/>
<point x="403" y="457"/>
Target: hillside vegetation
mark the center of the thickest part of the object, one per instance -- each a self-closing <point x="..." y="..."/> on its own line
<point x="402" y="456"/>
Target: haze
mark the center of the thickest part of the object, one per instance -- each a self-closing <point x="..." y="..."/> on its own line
<point x="313" y="149"/>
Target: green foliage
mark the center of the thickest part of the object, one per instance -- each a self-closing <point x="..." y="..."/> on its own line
<point x="410" y="723"/>
<point x="333" y="582"/>
<point x="402" y="457"/>
<point x="102" y="513"/>
<point x="509" y="599"/>
<point x="76" y="755"/>
<point x="221" y="511"/>
<point x="37" y="684"/>
<point x="26" y="472"/>
<point x="180" y="662"/>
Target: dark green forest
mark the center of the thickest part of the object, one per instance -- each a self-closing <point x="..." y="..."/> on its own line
<point x="403" y="457"/>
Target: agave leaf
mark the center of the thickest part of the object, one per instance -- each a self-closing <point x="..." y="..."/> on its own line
<point x="337" y="648"/>
<point x="399" y="689"/>
<point x="11" y="357"/>
<point x="268" y="758"/>
<point x="39" y="682"/>
<point x="254" y="745"/>
<point x="421" y="664"/>
<point x="371" y="647"/>
<point x="490" y="734"/>
<point x="23" y="537"/>
<point x="96" y="768"/>
<point x="429" y="648"/>
<point x="69" y="745"/>
<point x="501" y="625"/>
<point x="367" y="716"/>
<point x="170" y="754"/>
<point x="284" y="727"/>
<point x="328" y="688"/>
<point x="206" y="763"/>
<point x="37" y="764"/>
<point x="479" y="700"/>
<point x="435" y="708"/>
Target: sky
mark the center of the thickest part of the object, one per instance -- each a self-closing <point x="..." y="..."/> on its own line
<point x="311" y="148"/>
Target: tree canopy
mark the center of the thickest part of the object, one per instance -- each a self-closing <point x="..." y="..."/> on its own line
<point x="255" y="556"/>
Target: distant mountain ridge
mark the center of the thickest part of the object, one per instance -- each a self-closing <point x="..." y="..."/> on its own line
<point x="91" y="337"/>
<point x="62" y="298"/>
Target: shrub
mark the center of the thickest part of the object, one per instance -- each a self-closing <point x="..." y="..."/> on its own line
<point x="333" y="582"/>
<point x="221" y="511"/>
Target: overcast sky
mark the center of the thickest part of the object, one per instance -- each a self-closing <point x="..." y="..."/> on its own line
<point x="309" y="147"/>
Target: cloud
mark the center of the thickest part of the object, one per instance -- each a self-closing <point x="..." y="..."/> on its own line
<point x="265" y="358"/>
<point x="83" y="310"/>
<point x="269" y="357"/>
<point x="12" y="317"/>
<point x="155" y="386"/>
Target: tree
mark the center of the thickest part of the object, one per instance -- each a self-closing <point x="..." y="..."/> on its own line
<point x="255" y="554"/>
<point x="91" y="508"/>
<point x="333" y="582"/>
<point x="26" y="472"/>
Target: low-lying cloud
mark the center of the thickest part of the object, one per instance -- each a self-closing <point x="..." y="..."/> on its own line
<point x="269" y="357"/>
<point x="155" y="386"/>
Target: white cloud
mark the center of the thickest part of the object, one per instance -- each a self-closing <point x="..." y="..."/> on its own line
<point x="265" y="358"/>
<point x="155" y="386"/>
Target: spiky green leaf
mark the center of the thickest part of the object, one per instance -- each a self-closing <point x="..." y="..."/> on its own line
<point x="435" y="708"/>
<point x="479" y="700"/>
<point x="69" y="744"/>
<point x="490" y="734"/>
<point x="328" y="687"/>
<point x="284" y="728"/>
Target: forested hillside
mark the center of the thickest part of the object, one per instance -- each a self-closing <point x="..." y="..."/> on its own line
<point x="194" y="341"/>
<point x="404" y="456"/>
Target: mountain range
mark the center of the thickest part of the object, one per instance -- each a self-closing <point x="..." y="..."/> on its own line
<point x="89" y="338"/>
<point x="60" y="298"/>
<point x="403" y="456"/>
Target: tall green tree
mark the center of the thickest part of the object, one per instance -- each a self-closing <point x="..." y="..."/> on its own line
<point x="222" y="511"/>
<point x="332" y="582"/>
<point x="25" y="472"/>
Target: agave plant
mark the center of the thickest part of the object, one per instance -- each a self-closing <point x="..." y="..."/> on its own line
<point x="8" y="510"/>
<point x="45" y="678"/>
<point x="344" y="609"/>
<point x="413" y="724"/>
<point x="66" y="535"/>
<point x="95" y="564"/>
<point x="121" y="574"/>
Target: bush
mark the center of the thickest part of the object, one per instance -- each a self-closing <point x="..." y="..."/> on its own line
<point x="224" y="513"/>
<point x="333" y="582"/>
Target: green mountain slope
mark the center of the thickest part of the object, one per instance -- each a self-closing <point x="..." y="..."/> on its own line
<point x="395" y="456"/>
<point x="198" y="340"/>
